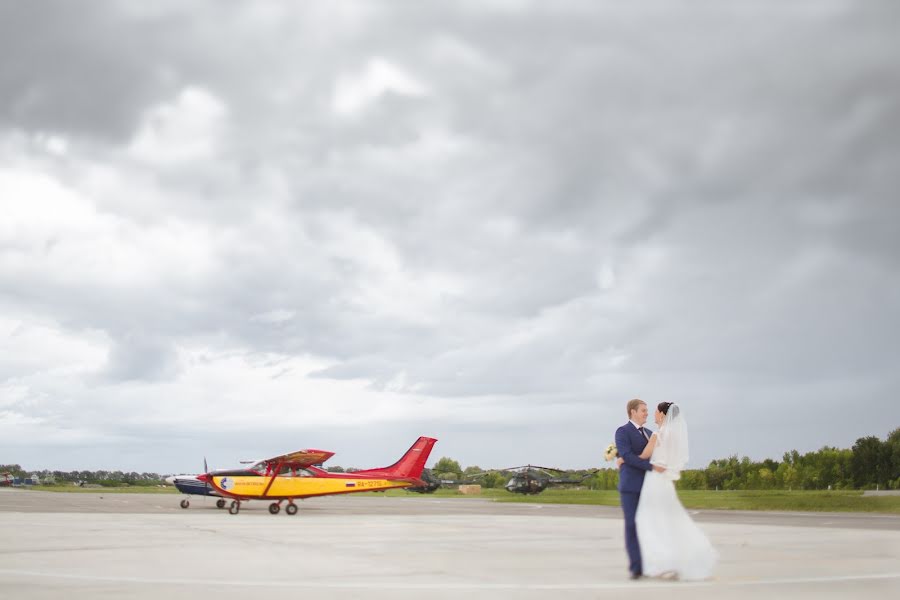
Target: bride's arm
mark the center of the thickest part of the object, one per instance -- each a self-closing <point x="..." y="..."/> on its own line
<point x="648" y="450"/>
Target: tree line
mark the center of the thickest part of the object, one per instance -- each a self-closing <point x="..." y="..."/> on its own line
<point x="103" y="478"/>
<point x="871" y="463"/>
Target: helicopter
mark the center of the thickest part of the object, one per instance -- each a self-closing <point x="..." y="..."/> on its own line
<point x="525" y="479"/>
<point x="431" y="482"/>
<point x="532" y="479"/>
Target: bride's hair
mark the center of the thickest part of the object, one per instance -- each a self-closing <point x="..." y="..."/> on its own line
<point x="663" y="407"/>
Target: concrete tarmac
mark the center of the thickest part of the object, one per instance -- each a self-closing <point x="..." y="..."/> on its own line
<point x="78" y="546"/>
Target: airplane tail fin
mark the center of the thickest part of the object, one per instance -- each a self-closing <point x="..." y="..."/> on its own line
<point x="410" y="465"/>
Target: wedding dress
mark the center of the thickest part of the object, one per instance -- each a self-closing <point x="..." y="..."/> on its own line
<point x="671" y="543"/>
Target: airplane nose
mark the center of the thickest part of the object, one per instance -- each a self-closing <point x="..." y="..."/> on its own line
<point x="170" y="480"/>
<point x="204" y="477"/>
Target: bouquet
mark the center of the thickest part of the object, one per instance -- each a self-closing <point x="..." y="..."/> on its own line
<point x="611" y="452"/>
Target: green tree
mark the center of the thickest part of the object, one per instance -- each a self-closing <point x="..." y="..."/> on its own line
<point x="692" y="479"/>
<point x="604" y="479"/>
<point x="789" y="475"/>
<point x="494" y="479"/>
<point x="766" y="478"/>
<point x="770" y="464"/>
<point x="867" y="456"/>
<point x="13" y="470"/>
<point x="893" y="443"/>
<point x="472" y="471"/>
<point x="884" y="468"/>
<point x="447" y="466"/>
<point x="715" y="476"/>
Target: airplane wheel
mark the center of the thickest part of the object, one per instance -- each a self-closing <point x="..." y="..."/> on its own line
<point x="235" y="508"/>
<point x="220" y="503"/>
<point x="291" y="509"/>
<point x="185" y="503"/>
<point x="274" y="508"/>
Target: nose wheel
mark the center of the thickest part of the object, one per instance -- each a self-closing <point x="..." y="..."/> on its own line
<point x="185" y="503"/>
<point x="220" y="503"/>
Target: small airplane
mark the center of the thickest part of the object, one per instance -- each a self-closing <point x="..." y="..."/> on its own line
<point x="190" y="485"/>
<point x="6" y="479"/>
<point x="295" y="475"/>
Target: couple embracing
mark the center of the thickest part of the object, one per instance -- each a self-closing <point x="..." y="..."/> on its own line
<point x="660" y="537"/>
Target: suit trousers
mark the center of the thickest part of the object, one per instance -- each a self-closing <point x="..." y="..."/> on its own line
<point x="629" y="507"/>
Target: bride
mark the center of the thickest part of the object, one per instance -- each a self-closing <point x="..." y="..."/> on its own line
<point x="671" y="543"/>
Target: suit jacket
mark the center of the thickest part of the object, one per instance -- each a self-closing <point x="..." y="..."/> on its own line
<point x="630" y="443"/>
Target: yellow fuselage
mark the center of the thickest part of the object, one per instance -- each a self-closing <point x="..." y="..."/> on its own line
<point x="299" y="487"/>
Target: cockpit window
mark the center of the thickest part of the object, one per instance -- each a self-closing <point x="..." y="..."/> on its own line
<point x="262" y="469"/>
<point x="290" y="472"/>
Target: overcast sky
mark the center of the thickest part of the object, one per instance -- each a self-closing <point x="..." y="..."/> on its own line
<point x="236" y="229"/>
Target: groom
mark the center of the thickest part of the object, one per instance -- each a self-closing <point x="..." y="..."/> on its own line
<point x="631" y="439"/>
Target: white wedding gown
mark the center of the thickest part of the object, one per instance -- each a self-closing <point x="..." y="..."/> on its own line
<point x="671" y="543"/>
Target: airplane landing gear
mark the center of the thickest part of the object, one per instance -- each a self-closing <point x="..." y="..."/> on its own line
<point x="185" y="503"/>
<point x="274" y="508"/>
<point x="291" y="509"/>
<point x="235" y="507"/>
<point x="220" y="503"/>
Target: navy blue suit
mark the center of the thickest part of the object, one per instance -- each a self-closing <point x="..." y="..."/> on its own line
<point x="630" y="443"/>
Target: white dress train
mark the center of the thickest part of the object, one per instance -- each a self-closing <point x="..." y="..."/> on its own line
<point x="670" y="540"/>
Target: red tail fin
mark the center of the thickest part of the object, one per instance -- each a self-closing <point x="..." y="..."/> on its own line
<point x="410" y="464"/>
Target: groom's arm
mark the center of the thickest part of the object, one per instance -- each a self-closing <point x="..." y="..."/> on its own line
<point x="623" y="445"/>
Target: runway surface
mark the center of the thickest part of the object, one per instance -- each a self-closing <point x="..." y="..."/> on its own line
<point x="145" y="546"/>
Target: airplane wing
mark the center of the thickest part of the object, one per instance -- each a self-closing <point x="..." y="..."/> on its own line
<point x="300" y="459"/>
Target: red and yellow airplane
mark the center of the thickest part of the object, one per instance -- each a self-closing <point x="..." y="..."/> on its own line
<point x="291" y="476"/>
